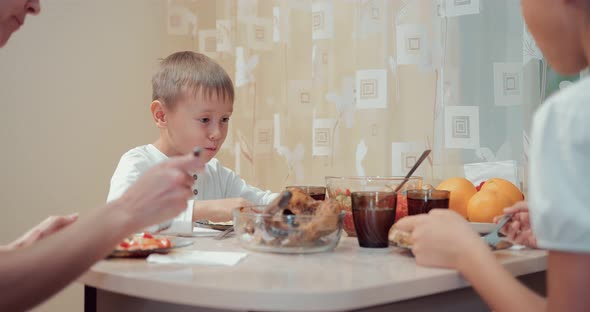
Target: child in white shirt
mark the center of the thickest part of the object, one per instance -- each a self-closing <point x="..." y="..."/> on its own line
<point x="192" y="104"/>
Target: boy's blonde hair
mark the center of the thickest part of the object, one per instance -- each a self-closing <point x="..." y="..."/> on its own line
<point x="190" y="72"/>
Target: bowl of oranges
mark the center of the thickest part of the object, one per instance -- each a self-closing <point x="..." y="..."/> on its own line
<point x="481" y="204"/>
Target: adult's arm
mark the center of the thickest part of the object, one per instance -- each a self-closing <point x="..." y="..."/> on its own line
<point x="34" y="273"/>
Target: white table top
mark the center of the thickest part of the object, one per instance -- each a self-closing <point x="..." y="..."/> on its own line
<point x="350" y="277"/>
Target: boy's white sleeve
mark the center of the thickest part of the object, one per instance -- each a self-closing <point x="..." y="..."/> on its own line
<point x="237" y="187"/>
<point x="181" y="224"/>
<point x="130" y="168"/>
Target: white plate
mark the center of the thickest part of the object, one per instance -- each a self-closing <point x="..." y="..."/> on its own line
<point x="482" y="228"/>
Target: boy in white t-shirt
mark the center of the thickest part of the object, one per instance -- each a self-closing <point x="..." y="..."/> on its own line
<point x="192" y="105"/>
<point x="558" y="194"/>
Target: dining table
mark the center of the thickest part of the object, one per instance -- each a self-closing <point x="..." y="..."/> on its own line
<point x="348" y="278"/>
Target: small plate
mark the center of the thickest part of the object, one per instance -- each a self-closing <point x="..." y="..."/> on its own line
<point x="482" y="228"/>
<point x="221" y="226"/>
<point x="176" y="242"/>
<point x="503" y="244"/>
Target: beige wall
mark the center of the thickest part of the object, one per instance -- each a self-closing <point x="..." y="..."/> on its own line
<point x="74" y="86"/>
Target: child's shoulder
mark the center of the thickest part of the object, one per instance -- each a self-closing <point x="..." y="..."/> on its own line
<point x="136" y="151"/>
<point x="576" y="95"/>
<point x="565" y="115"/>
<point x="143" y="154"/>
<point x="568" y="107"/>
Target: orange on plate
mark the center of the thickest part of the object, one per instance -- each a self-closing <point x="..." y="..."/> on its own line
<point x="504" y="187"/>
<point x="461" y="192"/>
<point x="485" y="205"/>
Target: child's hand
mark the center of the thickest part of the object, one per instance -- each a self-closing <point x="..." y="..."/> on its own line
<point x="518" y="229"/>
<point x="218" y="210"/>
<point x="43" y="229"/>
<point x="440" y="238"/>
<point x="227" y="205"/>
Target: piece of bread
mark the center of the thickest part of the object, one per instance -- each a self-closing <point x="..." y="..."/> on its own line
<point x="400" y="238"/>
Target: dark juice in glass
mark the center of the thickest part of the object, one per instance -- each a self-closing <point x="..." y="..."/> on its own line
<point x="422" y="201"/>
<point x="318" y="196"/>
<point x="373" y="215"/>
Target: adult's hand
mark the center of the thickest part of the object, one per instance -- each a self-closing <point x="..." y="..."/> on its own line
<point x="47" y="227"/>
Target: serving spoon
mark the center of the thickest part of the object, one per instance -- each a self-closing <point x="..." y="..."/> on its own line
<point x="416" y="165"/>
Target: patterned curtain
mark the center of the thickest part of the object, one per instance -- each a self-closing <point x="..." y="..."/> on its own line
<point x="362" y="87"/>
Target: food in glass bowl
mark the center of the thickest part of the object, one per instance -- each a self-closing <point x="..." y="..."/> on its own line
<point x="340" y="188"/>
<point x="316" y="192"/>
<point x="304" y="225"/>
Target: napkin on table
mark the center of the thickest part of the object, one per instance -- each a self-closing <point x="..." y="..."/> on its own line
<point x="224" y="258"/>
<point x="478" y="172"/>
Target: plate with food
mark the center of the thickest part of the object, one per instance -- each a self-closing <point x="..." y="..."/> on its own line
<point x="144" y="244"/>
<point x="208" y="224"/>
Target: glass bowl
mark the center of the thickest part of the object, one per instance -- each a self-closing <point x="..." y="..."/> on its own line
<point x="296" y="233"/>
<point x="315" y="192"/>
<point x="340" y="188"/>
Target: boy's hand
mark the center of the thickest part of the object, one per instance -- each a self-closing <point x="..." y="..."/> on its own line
<point x="518" y="229"/>
<point x="229" y="204"/>
<point x="218" y="210"/>
<point x="440" y="238"/>
<point x="162" y="192"/>
<point x="47" y="227"/>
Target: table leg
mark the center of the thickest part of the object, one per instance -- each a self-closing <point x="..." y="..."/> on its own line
<point x="89" y="299"/>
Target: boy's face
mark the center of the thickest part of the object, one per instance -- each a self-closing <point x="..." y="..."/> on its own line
<point x="12" y="16"/>
<point x="200" y="120"/>
<point x="555" y="26"/>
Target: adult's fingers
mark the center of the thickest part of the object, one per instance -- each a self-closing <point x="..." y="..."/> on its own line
<point x="56" y="223"/>
<point x="514" y="230"/>
<point x="408" y="224"/>
<point x="441" y="212"/>
<point x="180" y="197"/>
<point x="186" y="163"/>
<point x="27" y="239"/>
<point x="182" y="178"/>
<point x="521" y="206"/>
<point x="525" y="219"/>
<point x="505" y="229"/>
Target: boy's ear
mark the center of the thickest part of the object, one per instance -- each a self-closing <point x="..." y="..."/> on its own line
<point x="158" y="113"/>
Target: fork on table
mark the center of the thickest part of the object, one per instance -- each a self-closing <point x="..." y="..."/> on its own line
<point x="492" y="238"/>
